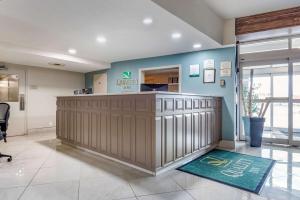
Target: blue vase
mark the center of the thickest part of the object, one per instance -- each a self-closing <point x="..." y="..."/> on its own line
<point x="256" y="131"/>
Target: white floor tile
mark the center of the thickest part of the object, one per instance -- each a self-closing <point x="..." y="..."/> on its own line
<point x="60" y="172"/>
<point x="57" y="174"/>
<point x="189" y="181"/>
<point x="52" y="191"/>
<point x="11" y="193"/>
<point x="26" y="164"/>
<point x="98" y="171"/>
<point x="10" y="179"/>
<point x="154" y="185"/>
<point x="217" y="193"/>
<point x="182" y="195"/>
<point x="104" y="188"/>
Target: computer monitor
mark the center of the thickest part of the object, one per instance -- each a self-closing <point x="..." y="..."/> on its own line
<point x="154" y="87"/>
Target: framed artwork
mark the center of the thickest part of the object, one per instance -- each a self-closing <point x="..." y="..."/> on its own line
<point x="194" y="70"/>
<point x="209" y="64"/>
<point x="209" y="76"/>
<point x="225" y="69"/>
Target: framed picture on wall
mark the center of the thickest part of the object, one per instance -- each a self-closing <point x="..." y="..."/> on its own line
<point x="209" y="76"/>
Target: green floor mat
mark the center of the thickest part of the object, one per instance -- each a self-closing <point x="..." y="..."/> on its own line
<point x="238" y="170"/>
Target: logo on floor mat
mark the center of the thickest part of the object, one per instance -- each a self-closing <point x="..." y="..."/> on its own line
<point x="238" y="168"/>
<point x="215" y="161"/>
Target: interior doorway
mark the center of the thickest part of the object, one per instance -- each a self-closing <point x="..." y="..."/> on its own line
<point x="100" y="83"/>
<point x="13" y="92"/>
<point x="169" y="75"/>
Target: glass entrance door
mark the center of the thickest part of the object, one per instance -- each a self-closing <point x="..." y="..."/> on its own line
<point x="276" y="84"/>
<point x="270" y="87"/>
<point x="273" y="65"/>
<point x="295" y="137"/>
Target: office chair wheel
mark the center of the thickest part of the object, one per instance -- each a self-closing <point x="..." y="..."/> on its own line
<point x="9" y="159"/>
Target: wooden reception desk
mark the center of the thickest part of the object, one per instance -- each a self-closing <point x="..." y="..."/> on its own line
<point x="151" y="131"/>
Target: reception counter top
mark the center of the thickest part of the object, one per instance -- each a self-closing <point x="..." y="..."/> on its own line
<point x="151" y="131"/>
<point x="132" y="93"/>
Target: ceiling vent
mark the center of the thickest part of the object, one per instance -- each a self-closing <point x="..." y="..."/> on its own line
<point x="56" y="64"/>
<point x="2" y="65"/>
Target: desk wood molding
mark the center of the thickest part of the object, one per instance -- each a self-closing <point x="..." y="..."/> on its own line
<point x="151" y="131"/>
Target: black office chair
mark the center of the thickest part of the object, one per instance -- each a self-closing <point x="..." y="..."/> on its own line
<point x="4" y="116"/>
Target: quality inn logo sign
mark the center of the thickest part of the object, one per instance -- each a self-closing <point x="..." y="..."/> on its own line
<point x="126" y="81"/>
<point x="126" y="75"/>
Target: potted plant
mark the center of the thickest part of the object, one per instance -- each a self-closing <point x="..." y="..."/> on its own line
<point x="254" y="116"/>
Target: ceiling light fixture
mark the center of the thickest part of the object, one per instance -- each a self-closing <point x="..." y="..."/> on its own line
<point x="72" y="51"/>
<point x="197" y="46"/>
<point x="148" y="21"/>
<point x="176" y="35"/>
<point x="101" y="39"/>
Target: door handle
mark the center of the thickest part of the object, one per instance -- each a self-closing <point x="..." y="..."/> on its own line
<point x="22" y="102"/>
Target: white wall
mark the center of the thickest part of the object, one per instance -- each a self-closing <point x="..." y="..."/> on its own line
<point x="197" y="14"/>
<point x="229" y="32"/>
<point x="43" y="86"/>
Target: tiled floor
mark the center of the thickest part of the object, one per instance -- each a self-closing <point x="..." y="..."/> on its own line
<point x="43" y="169"/>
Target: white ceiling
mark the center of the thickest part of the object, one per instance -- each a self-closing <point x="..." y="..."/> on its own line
<point x="35" y="32"/>
<point x="240" y="8"/>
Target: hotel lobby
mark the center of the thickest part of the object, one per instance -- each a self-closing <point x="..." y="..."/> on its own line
<point x="149" y="100"/>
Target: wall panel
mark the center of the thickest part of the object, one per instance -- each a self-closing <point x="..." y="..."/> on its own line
<point x="169" y="139"/>
<point x="188" y="133"/>
<point x="203" y="140"/>
<point x="196" y="131"/>
<point x="179" y="130"/>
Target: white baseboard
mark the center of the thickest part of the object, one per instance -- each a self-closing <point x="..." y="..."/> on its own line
<point x="227" y="144"/>
<point x="42" y="130"/>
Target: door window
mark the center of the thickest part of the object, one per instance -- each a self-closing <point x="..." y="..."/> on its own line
<point x="9" y="88"/>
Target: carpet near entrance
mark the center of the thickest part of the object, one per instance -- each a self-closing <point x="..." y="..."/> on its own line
<point x="238" y="170"/>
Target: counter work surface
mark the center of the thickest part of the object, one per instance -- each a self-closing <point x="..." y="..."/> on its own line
<point x="131" y="93"/>
<point x="150" y="131"/>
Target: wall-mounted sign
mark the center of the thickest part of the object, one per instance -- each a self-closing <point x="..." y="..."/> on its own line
<point x="225" y="68"/>
<point x="126" y="75"/>
<point x="126" y="82"/>
<point x="209" y="64"/>
<point x="194" y="70"/>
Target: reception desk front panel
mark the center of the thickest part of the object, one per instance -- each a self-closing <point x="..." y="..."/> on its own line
<point x="151" y="131"/>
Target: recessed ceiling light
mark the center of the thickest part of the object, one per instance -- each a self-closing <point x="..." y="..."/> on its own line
<point x="176" y="35"/>
<point x="72" y="51"/>
<point x="197" y="46"/>
<point x="148" y="21"/>
<point x="101" y="39"/>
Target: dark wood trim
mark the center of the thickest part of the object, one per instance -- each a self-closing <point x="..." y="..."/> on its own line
<point x="268" y="21"/>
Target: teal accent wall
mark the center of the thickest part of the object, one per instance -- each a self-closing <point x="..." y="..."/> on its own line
<point x="188" y="84"/>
